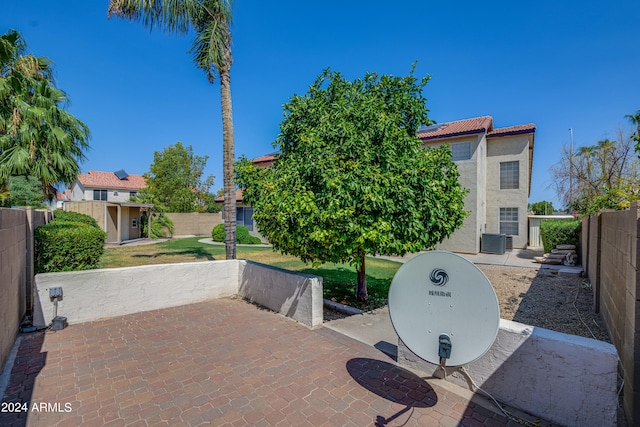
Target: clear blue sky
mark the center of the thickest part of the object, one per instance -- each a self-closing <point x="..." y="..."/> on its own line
<point x="558" y="64"/>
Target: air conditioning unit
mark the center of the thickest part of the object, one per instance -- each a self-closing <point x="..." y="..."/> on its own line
<point x="508" y="243"/>
<point x="493" y="243"/>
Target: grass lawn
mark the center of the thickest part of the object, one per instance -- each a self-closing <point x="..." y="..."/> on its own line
<point x="339" y="279"/>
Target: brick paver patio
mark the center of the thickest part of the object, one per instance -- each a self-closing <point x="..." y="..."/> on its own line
<point x="220" y="362"/>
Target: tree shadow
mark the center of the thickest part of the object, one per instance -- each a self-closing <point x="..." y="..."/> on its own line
<point x="27" y="365"/>
<point x="198" y="253"/>
<point x="392" y="383"/>
<point x="529" y="253"/>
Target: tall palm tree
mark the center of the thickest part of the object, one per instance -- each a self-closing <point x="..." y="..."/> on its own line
<point x="211" y="50"/>
<point x="38" y="137"/>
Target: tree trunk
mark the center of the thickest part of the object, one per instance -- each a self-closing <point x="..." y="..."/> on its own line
<point x="228" y="160"/>
<point x="361" y="286"/>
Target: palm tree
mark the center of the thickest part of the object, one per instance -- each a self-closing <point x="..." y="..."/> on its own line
<point x="211" y="50"/>
<point x="38" y="137"/>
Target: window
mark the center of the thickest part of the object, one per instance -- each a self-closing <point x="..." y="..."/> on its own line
<point x="132" y="194"/>
<point x="99" y="194"/>
<point x="509" y="221"/>
<point x="244" y="217"/>
<point x="461" y="151"/>
<point x="509" y="175"/>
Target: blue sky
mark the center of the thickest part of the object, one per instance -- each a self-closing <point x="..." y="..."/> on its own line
<point x="558" y="64"/>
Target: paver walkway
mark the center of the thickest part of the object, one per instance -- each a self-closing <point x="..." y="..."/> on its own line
<point x="221" y="362"/>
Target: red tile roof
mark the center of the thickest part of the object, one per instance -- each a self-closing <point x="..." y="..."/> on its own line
<point x="476" y="125"/>
<point x="513" y="130"/>
<point x="63" y="195"/>
<point x="459" y="127"/>
<point x="97" y="179"/>
<point x="264" y="161"/>
<point x="239" y="197"/>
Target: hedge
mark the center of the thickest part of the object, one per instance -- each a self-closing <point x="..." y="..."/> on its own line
<point x="63" y="245"/>
<point x="559" y="232"/>
<point x="242" y="235"/>
<point x="68" y="216"/>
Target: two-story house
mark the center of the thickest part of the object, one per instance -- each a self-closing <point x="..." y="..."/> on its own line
<point x="106" y="196"/>
<point x="495" y="166"/>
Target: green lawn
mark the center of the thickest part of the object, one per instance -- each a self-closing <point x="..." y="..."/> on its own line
<point x="339" y="279"/>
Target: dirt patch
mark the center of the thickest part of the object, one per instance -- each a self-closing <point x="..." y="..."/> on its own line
<point x="540" y="297"/>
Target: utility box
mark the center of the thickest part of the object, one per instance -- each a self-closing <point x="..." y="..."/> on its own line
<point x="493" y="243"/>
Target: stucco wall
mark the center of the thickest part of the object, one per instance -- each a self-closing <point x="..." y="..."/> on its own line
<point x="466" y="239"/>
<point x="95" y="209"/>
<point x="295" y="295"/>
<point x="96" y="294"/>
<point x="508" y="149"/>
<point x="562" y="378"/>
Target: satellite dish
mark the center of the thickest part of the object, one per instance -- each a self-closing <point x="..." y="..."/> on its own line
<point x="444" y="308"/>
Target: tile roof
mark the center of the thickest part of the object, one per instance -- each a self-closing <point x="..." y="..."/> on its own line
<point x="239" y="197"/>
<point x="264" y="161"/>
<point x="63" y="195"/>
<point x="513" y="130"/>
<point x="472" y="126"/>
<point x="459" y="127"/>
<point x="98" y="179"/>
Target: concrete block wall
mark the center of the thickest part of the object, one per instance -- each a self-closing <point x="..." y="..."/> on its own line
<point x="566" y="379"/>
<point x="613" y="262"/>
<point x="196" y="224"/>
<point x="96" y="294"/>
<point x="13" y="276"/>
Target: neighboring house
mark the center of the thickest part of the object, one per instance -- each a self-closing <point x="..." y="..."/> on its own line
<point x="495" y="166"/>
<point x="62" y="197"/>
<point x="116" y="186"/>
<point x="244" y="213"/>
<point x="105" y="196"/>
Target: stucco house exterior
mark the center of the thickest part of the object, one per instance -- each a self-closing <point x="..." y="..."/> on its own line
<point x="495" y="165"/>
<point x="105" y="196"/>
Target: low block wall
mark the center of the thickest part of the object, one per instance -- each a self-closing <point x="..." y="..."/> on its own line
<point x="97" y="294"/>
<point x="561" y="378"/>
<point x="295" y="295"/>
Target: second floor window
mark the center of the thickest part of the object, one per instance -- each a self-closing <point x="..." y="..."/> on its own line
<point x="509" y="175"/>
<point x="99" y="194"/>
<point x="460" y="151"/>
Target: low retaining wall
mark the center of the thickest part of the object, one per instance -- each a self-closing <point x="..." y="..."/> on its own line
<point x="97" y="294"/>
<point x="561" y="378"/>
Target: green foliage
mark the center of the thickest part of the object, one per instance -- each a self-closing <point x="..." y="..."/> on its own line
<point x="352" y="177"/>
<point x="68" y="216"/>
<point x="174" y="180"/>
<point x="24" y="191"/>
<point x="63" y="245"/>
<point x="541" y="208"/>
<point x="38" y="137"/>
<point x="161" y="224"/>
<point x="559" y="232"/>
<point x="242" y="235"/>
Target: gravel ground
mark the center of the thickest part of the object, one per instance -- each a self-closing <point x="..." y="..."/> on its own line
<point x="545" y="299"/>
<point x="540" y="297"/>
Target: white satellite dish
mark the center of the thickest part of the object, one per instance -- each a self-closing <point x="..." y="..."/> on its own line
<point x="444" y="308"/>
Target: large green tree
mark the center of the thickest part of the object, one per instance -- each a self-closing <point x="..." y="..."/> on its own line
<point x="541" y="208"/>
<point x="175" y="180"/>
<point x="211" y="50"/>
<point x="38" y="137"/>
<point x="352" y="178"/>
<point x="24" y="191"/>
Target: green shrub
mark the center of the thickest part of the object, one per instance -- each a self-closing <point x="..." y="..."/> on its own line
<point x="68" y="216"/>
<point x="67" y="246"/>
<point x="242" y="235"/>
<point x="559" y="232"/>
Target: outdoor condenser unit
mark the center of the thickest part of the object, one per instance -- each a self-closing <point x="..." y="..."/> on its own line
<point x="508" y="245"/>
<point x="492" y="243"/>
